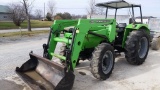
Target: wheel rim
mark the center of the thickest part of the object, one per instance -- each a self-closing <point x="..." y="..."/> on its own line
<point x="107" y="62"/>
<point x="143" y="47"/>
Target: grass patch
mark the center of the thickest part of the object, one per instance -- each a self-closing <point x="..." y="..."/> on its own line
<point x="34" y="24"/>
<point x="24" y="33"/>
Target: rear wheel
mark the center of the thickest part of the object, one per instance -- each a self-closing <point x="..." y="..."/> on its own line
<point x="155" y="44"/>
<point x="137" y="46"/>
<point x="102" y="61"/>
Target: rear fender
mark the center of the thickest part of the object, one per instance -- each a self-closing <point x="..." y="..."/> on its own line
<point x="132" y="27"/>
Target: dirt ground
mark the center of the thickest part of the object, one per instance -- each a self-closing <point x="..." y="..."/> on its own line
<point x="14" y="51"/>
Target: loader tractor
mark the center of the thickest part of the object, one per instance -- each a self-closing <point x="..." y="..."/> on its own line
<point x="97" y="40"/>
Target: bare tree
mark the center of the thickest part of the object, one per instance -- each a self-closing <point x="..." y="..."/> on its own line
<point x="100" y="11"/>
<point x="17" y="13"/>
<point x="38" y="13"/>
<point x="51" y="7"/>
<point x="92" y="8"/>
<point x="49" y="16"/>
<point x="27" y="5"/>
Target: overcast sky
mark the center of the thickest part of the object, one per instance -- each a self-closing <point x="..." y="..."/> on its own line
<point x="149" y="7"/>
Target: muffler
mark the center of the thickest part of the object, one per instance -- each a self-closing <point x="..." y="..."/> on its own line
<point x="42" y="74"/>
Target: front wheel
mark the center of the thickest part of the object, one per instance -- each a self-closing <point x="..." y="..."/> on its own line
<point x="137" y="46"/>
<point x="102" y="61"/>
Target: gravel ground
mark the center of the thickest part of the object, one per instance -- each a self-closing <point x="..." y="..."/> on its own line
<point x="14" y="52"/>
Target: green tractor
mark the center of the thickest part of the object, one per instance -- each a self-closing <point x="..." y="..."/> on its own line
<point x="94" y="39"/>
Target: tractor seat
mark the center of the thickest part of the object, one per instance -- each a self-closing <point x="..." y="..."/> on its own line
<point x="67" y="28"/>
<point x="121" y="27"/>
<point x="131" y="20"/>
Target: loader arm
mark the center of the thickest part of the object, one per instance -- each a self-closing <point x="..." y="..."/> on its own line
<point x="56" y="28"/>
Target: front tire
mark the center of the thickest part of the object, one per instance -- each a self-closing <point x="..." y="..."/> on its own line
<point x="137" y="46"/>
<point x="102" y="61"/>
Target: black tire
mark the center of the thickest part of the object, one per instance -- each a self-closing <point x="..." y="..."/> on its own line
<point x="137" y="46"/>
<point x="97" y="61"/>
<point x="155" y="44"/>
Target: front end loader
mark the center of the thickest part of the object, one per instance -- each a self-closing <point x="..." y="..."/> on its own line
<point x="94" y="39"/>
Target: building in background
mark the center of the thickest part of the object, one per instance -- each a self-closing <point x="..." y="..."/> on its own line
<point x="4" y="14"/>
<point x="146" y="19"/>
<point x="119" y="18"/>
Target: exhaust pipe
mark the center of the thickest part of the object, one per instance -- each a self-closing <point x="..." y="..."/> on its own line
<point x="42" y="74"/>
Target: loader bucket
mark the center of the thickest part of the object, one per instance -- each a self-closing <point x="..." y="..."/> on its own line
<point x="42" y="74"/>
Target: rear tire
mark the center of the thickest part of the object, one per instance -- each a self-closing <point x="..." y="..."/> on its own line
<point x="155" y="44"/>
<point x="137" y="46"/>
<point x="102" y="61"/>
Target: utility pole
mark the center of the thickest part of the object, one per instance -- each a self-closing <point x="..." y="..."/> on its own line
<point x="44" y="10"/>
